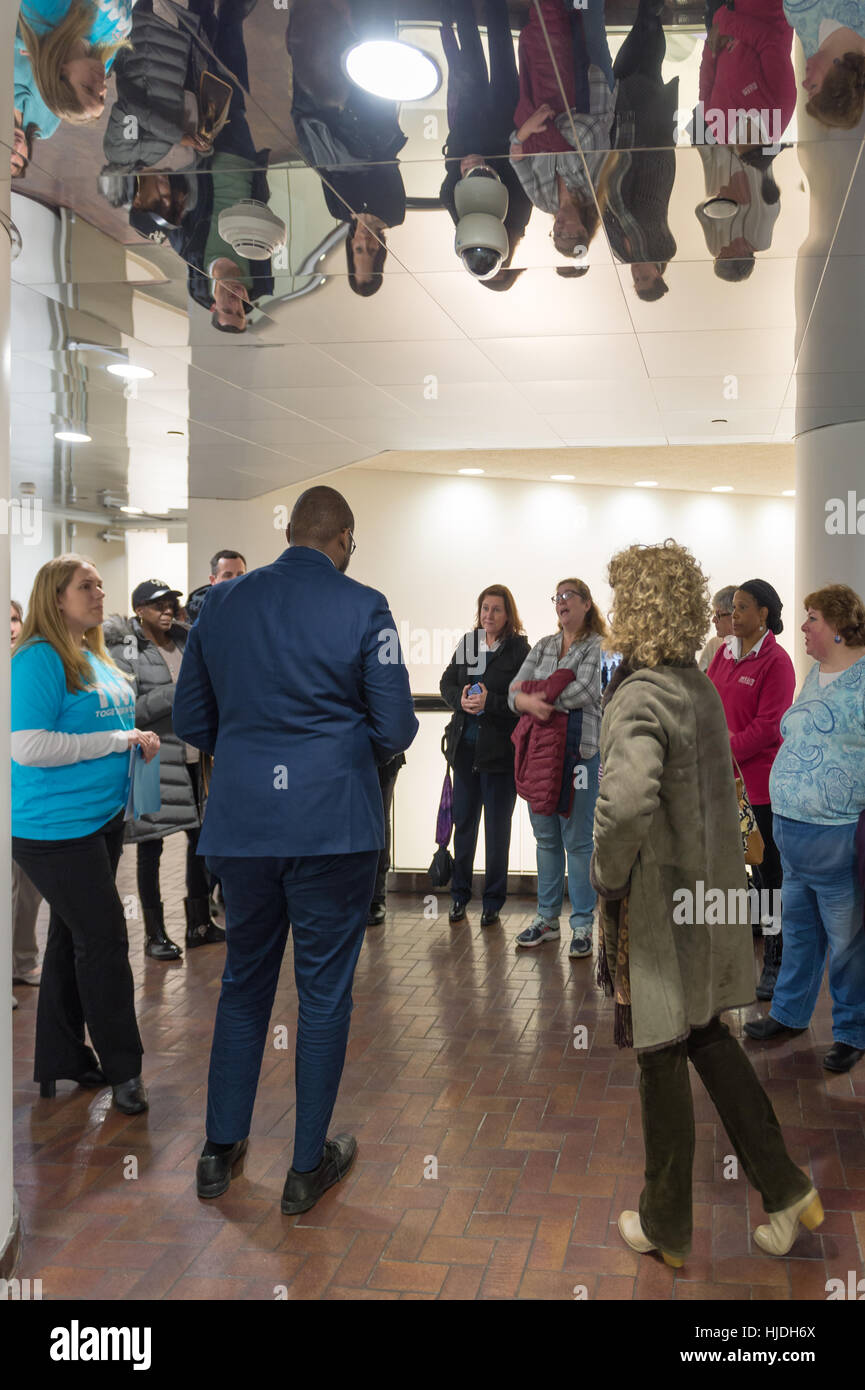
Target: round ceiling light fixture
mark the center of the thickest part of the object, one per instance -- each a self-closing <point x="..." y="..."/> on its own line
<point x="720" y="209"/>
<point x="72" y="437"/>
<point x="128" y="371"/>
<point x="393" y="70"/>
<point x="562" y="477"/>
<point x="470" y="472"/>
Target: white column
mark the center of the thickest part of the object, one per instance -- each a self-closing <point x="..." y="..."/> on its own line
<point x="830" y="514"/>
<point x="8" y="1225"/>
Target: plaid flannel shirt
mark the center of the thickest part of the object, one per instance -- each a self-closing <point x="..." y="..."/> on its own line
<point x="583" y="692"/>
<point x="589" y="133"/>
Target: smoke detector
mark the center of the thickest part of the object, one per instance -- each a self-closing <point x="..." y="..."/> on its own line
<point x="251" y="229"/>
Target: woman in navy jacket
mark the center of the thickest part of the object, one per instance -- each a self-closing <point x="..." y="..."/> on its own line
<point x="477" y="745"/>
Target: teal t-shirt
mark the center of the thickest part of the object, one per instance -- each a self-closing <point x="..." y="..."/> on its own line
<point x="818" y="775"/>
<point x="64" y="803"/>
<point x="112" y="23"/>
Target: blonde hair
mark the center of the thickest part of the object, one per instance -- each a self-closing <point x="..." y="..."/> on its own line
<point x="50" y="50"/>
<point x="593" y="621"/>
<point x="45" y="620"/>
<point x="660" y="605"/>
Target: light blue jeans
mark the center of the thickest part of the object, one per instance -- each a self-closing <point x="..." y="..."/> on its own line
<point x="558" y="838"/>
<point x="821" y="909"/>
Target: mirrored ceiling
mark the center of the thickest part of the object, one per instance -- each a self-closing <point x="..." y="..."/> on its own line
<point x="602" y="232"/>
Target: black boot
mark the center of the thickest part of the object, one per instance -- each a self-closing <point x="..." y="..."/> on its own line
<point x="772" y="947"/>
<point x="158" y="945"/>
<point x="200" y="930"/>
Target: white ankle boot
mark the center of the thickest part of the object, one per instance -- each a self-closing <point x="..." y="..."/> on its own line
<point x="631" y="1231"/>
<point x="779" y="1235"/>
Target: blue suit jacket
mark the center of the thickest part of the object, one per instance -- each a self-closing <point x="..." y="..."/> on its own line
<point x="281" y="680"/>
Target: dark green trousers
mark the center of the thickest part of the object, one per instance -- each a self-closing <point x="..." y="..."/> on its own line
<point x="745" y="1112"/>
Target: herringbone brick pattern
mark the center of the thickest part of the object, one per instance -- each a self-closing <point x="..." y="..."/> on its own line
<point x="494" y="1155"/>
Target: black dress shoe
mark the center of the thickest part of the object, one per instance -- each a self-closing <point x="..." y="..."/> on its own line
<point x="457" y="913"/>
<point x="841" y="1057"/>
<point x="490" y="919"/>
<point x="302" y="1190"/>
<point x="213" y="1173"/>
<point x="376" y="915"/>
<point x="130" y="1096"/>
<point x="769" y="1027"/>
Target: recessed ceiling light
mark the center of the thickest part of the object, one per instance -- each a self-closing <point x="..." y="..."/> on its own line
<point x="133" y="511"/>
<point x="129" y="371"/>
<point x="790" y="492"/>
<point x="182" y="433"/>
<point x="561" y="477"/>
<point x="645" y="483"/>
<point x="719" y="420"/>
<point x="723" y="488"/>
<point x="395" y="71"/>
<point x="470" y="472"/>
<point x="72" y="437"/>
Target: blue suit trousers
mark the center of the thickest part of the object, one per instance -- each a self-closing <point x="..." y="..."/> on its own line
<point x="325" y="899"/>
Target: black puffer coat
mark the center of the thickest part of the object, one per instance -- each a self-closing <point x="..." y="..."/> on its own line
<point x="494" y="751"/>
<point x="154" y="701"/>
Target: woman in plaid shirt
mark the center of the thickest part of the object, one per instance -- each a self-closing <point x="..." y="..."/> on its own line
<point x="576" y="646"/>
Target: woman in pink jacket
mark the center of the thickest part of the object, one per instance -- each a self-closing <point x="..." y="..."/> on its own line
<point x="747" y="67"/>
<point x="756" y="682"/>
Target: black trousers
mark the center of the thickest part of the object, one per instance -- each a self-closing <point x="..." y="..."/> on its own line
<point x="86" y="977"/>
<point x="495" y="794"/>
<point x="745" y="1111"/>
<point x="387" y="781"/>
<point x="644" y="47"/>
<point x="149" y="853"/>
<point x="769" y="875"/>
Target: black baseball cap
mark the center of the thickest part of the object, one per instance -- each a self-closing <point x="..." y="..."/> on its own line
<point x="149" y="589"/>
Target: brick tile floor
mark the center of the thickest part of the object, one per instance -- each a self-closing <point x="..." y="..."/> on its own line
<point x="494" y="1156"/>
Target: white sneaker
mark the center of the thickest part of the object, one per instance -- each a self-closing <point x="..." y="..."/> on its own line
<point x="778" y="1237"/>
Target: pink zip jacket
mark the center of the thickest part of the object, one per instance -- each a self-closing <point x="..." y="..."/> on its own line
<point x="755" y="693"/>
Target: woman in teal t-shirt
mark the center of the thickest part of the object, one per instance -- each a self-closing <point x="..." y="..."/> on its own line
<point x="72" y="728"/>
<point x="63" y="53"/>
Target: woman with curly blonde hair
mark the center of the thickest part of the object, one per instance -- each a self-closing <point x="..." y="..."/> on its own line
<point x="667" y="849"/>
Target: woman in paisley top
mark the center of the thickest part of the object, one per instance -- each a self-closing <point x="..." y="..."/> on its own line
<point x="833" y="37"/>
<point x="817" y="787"/>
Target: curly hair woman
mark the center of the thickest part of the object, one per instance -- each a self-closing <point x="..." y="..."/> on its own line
<point x="833" y="37"/>
<point x="666" y="833"/>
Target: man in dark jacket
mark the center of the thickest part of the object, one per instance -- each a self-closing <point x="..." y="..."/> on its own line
<point x="286" y="682"/>
<point x="150" y="648"/>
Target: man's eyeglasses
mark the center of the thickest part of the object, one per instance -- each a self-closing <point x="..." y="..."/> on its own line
<point x="725" y="614"/>
<point x="565" y="595"/>
<point x="353" y="546"/>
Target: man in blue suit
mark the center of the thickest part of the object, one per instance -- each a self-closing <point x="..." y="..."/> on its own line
<point x="288" y="678"/>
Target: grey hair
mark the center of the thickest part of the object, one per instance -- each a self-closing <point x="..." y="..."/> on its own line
<point x="724" y="598"/>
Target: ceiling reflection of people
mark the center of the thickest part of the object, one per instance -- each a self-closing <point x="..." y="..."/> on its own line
<point x="350" y="137"/>
<point x="64" y="50"/>
<point x="480" y="106"/>
<point x="747" y="64"/>
<point x="184" y="208"/>
<point x="833" y="37"/>
<point x="744" y="180"/>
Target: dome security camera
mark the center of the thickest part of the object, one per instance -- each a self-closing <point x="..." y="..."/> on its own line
<point x="252" y="230"/>
<point x="481" y="241"/>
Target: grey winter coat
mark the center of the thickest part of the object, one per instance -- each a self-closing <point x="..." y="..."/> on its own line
<point x="147" y="119"/>
<point x="666" y="821"/>
<point x="154" y="700"/>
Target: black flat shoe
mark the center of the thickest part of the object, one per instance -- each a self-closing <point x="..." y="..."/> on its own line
<point x="768" y="1027"/>
<point x="376" y="915"/>
<point x="130" y="1096"/>
<point x="457" y="913"/>
<point x="213" y="1173"/>
<point x="841" y="1057"/>
<point x="302" y="1190"/>
<point x="490" y="919"/>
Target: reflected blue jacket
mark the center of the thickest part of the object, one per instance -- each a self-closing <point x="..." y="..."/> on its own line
<point x="293" y="678"/>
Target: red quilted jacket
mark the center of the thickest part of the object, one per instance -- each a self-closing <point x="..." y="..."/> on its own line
<point x="539" y="749"/>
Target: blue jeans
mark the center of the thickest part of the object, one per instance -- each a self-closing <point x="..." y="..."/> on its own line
<point x="557" y="838"/>
<point x="326" y="900"/>
<point x="821" y="908"/>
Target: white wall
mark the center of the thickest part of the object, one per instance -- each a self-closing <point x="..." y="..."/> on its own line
<point x="431" y="543"/>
